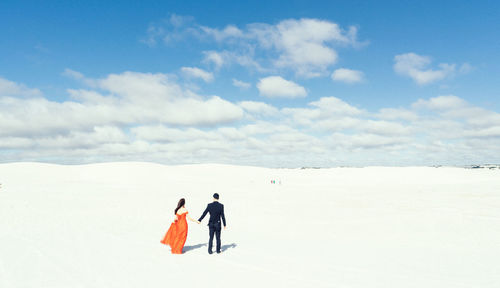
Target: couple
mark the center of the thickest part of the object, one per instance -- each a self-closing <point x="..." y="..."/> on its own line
<point x="177" y="233"/>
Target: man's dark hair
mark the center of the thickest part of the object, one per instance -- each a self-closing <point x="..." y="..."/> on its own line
<point x="216" y="196"/>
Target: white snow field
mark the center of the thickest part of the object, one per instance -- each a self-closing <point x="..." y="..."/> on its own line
<point x="100" y="225"/>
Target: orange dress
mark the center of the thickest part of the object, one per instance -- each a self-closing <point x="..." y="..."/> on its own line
<point x="177" y="234"/>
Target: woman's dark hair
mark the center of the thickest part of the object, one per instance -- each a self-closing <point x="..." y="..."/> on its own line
<point x="180" y="204"/>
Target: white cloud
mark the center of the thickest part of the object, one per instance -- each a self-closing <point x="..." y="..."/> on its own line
<point x="275" y="86"/>
<point x="328" y="114"/>
<point x="229" y="31"/>
<point x="197" y="112"/>
<point x="134" y="98"/>
<point x="263" y="128"/>
<point x="484" y="133"/>
<point x="214" y="57"/>
<point x="165" y="134"/>
<point x="368" y="141"/>
<point x="347" y="75"/>
<point x="136" y="86"/>
<point x="306" y="46"/>
<point x="227" y="58"/>
<point x="72" y="139"/>
<point x="414" y="66"/>
<point x="153" y="33"/>
<point x="179" y="20"/>
<point x="397" y="113"/>
<point x="259" y="108"/>
<point x="149" y="117"/>
<point x="466" y="68"/>
<point x="73" y="74"/>
<point x="335" y="106"/>
<point x="441" y="103"/>
<point x="173" y="28"/>
<point x="195" y="72"/>
<point x="160" y="133"/>
<point x="10" y="88"/>
<point x="460" y="117"/>
<point x="241" y="84"/>
<point x="384" y="128"/>
<point x="457" y="119"/>
<point x="98" y="136"/>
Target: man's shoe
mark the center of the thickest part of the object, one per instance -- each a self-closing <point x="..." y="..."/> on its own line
<point x="210" y="252"/>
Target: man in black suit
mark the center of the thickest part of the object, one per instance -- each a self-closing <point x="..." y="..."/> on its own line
<point x="216" y="211"/>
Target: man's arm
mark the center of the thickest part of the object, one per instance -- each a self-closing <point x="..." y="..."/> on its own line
<point x="223" y="217"/>
<point x="204" y="214"/>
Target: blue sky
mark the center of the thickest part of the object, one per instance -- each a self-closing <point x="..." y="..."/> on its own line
<point x="268" y="83"/>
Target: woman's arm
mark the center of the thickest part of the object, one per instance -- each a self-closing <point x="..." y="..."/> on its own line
<point x="191" y="219"/>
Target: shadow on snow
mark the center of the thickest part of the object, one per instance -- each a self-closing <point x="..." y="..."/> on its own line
<point x="193" y="247"/>
<point x="197" y="246"/>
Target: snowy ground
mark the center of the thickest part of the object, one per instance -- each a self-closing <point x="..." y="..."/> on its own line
<point x="100" y="225"/>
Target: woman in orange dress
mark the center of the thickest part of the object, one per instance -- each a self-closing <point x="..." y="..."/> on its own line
<point x="177" y="233"/>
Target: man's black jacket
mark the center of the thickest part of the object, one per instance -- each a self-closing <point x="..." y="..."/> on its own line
<point x="216" y="211"/>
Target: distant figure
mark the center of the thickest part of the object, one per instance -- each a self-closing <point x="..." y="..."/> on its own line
<point x="216" y="211"/>
<point x="177" y="233"/>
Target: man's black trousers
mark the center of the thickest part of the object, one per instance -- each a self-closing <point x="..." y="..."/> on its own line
<point x="214" y="229"/>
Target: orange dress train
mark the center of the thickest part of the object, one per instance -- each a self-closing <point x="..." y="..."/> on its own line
<point x="177" y="234"/>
